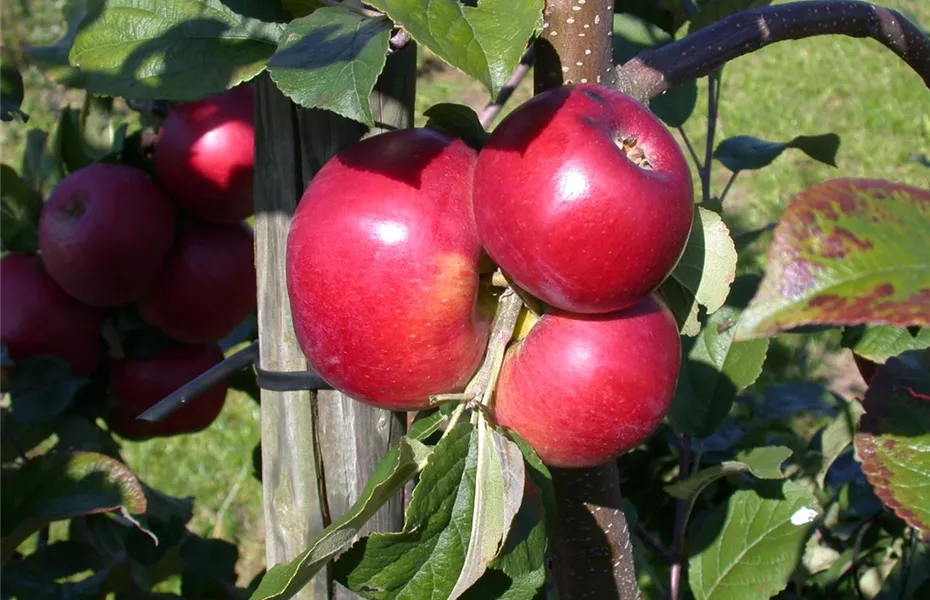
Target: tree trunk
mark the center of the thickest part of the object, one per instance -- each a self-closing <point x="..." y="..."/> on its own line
<point x="318" y="450"/>
<point x="592" y="554"/>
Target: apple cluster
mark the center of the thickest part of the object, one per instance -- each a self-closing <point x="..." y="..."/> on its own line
<point x="172" y="248"/>
<point x="581" y="197"/>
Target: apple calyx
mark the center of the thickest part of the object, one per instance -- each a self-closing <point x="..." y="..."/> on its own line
<point x="634" y="152"/>
<point x="479" y="390"/>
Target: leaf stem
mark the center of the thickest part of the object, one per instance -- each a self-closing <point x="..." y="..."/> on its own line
<point x="729" y="184"/>
<point x="694" y="156"/>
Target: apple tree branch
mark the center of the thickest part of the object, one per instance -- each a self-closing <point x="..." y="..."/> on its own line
<point x="656" y="71"/>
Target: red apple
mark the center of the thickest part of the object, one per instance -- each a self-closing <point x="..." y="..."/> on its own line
<point x="382" y="270"/>
<point x="207" y="285"/>
<point x="584" y="198"/>
<point x="38" y="318"/>
<point x="584" y="389"/>
<point x="205" y="155"/>
<point x="105" y="232"/>
<point x="140" y="383"/>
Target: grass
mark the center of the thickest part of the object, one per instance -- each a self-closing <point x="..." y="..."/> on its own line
<point x="855" y="88"/>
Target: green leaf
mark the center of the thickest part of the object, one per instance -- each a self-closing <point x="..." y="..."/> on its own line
<point x="101" y="137"/>
<point x="893" y="436"/>
<point x="744" y="153"/>
<point x="878" y="343"/>
<point x="764" y="463"/>
<point x="41" y="388"/>
<point x="750" y="546"/>
<point x="170" y="49"/>
<point x="498" y="494"/>
<point x="485" y="39"/>
<point x="714" y="10"/>
<point x="11" y="89"/>
<point x="331" y="60"/>
<point x="714" y="370"/>
<point x="846" y="252"/>
<point x="20" y="208"/>
<point x="631" y="35"/>
<point x="704" y="273"/>
<point x="53" y="487"/>
<point x="38" y="165"/>
<point x="500" y="586"/>
<point x="836" y="437"/>
<point x="457" y="120"/>
<point x="426" y="558"/>
<point x="398" y="466"/>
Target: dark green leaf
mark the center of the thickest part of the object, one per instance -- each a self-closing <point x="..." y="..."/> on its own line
<point x="500" y="586"/>
<point x="209" y="570"/>
<point x="749" y="546"/>
<point x="744" y="153"/>
<point x="704" y="273"/>
<point x="38" y="165"/>
<point x="331" y="60"/>
<point x="400" y="464"/>
<point x="53" y="487"/>
<point x="484" y="39"/>
<point x="100" y="135"/>
<point x="457" y="120"/>
<point x="764" y="463"/>
<point x="11" y="89"/>
<point x="846" y="252"/>
<point x="20" y="208"/>
<point x="170" y="49"/>
<point x="714" y="10"/>
<point x="714" y="369"/>
<point x="893" y="436"/>
<point x="41" y="388"/>
<point x="426" y="558"/>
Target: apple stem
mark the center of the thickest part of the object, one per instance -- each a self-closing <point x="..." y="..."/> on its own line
<point x="481" y="387"/>
<point x="655" y="72"/>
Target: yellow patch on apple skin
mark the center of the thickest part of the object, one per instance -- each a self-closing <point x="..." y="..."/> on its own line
<point x="452" y="288"/>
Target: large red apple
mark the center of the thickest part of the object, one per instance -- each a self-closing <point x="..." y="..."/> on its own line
<point x="38" y="318"/>
<point x="205" y="155"/>
<point x="207" y="285"/>
<point x="105" y="232"/>
<point x="584" y="198"/>
<point x="584" y="389"/>
<point x="382" y="270"/>
<point x="140" y="383"/>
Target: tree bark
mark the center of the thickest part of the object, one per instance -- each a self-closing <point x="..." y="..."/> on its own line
<point x="592" y="556"/>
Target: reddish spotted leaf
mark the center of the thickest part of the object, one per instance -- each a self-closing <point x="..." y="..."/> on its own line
<point x="846" y="252"/>
<point x="893" y="437"/>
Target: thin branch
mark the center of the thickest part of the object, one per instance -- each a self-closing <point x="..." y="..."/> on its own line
<point x="713" y="95"/>
<point x="657" y="71"/>
<point x="654" y="543"/>
<point x="490" y="112"/>
<point x="200" y="384"/>
<point x="682" y="509"/>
